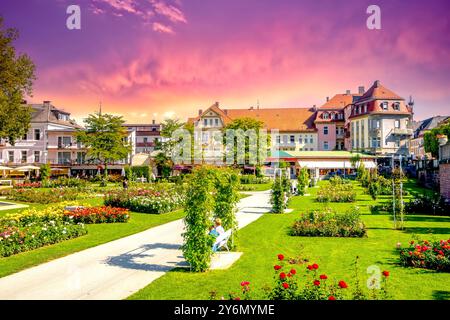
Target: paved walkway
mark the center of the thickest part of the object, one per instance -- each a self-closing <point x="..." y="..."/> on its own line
<point x="116" y="269"/>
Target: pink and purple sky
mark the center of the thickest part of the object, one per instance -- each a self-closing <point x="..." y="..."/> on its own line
<point x="173" y="57"/>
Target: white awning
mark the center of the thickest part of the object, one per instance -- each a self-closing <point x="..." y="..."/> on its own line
<point x="333" y="164"/>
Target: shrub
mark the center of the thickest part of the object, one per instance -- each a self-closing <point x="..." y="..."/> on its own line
<point x="27" y="185"/>
<point x="313" y="284"/>
<point x="97" y="215"/>
<point x="428" y="204"/>
<point x="43" y="196"/>
<point x="45" y="172"/>
<point x="303" y="181"/>
<point x="327" y="223"/>
<point x="145" y="200"/>
<point x="337" y="192"/>
<point x="252" y="179"/>
<point x="62" y="182"/>
<point x="427" y="254"/>
<point x="32" y="229"/>
<point x="279" y="197"/>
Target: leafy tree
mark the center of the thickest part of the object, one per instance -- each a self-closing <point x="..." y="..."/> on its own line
<point x="164" y="164"/>
<point x="240" y="127"/>
<point x="303" y="181"/>
<point x="430" y="140"/>
<point x="16" y="80"/>
<point x="45" y="172"/>
<point x="104" y="137"/>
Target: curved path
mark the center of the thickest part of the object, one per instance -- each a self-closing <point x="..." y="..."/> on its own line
<point x="116" y="269"/>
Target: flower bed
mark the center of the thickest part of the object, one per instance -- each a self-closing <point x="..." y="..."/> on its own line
<point x="33" y="229"/>
<point x="27" y="185"/>
<point x="145" y="201"/>
<point x="427" y="254"/>
<point x="336" y="192"/>
<point x="314" y="285"/>
<point x="43" y="196"/>
<point x="326" y="223"/>
<point x="97" y="215"/>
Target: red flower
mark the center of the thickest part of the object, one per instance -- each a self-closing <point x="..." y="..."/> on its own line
<point x="342" y="284"/>
<point x="280" y="257"/>
<point x="285" y="285"/>
<point x="282" y="276"/>
<point x="245" y="283"/>
<point x="386" y="273"/>
<point x="316" y="283"/>
<point x="237" y="298"/>
<point x="315" y="266"/>
<point x="277" y="267"/>
<point x="331" y="298"/>
<point x="323" y="276"/>
<point x="293" y="271"/>
<point x="289" y="275"/>
<point x="309" y="267"/>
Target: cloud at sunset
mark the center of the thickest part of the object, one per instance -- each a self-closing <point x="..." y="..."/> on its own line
<point x="179" y="56"/>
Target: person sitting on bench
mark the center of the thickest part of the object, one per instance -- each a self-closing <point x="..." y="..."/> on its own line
<point x="216" y="231"/>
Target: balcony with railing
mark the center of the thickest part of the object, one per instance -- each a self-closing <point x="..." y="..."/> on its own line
<point x="402" y="132"/>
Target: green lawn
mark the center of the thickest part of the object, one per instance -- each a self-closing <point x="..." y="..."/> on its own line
<point x="97" y="234"/>
<point x="262" y="240"/>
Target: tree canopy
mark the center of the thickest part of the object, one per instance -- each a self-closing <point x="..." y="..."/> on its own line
<point x="431" y="141"/>
<point x="104" y="136"/>
<point x="16" y="80"/>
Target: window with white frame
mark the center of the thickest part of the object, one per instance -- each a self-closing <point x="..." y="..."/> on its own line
<point x="23" y="157"/>
<point x="396" y="106"/>
<point x="37" y="156"/>
<point x="11" y="156"/>
<point x="325" y="130"/>
<point x="384" y="105"/>
<point x="325" y="145"/>
<point x="37" y="134"/>
<point x="397" y="124"/>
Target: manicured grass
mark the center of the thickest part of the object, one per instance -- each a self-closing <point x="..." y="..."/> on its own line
<point x="262" y="240"/>
<point x="97" y="234"/>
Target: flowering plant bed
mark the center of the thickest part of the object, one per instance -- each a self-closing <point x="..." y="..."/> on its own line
<point x="43" y="196"/>
<point x="145" y="201"/>
<point x="31" y="230"/>
<point x="336" y="192"/>
<point x="313" y="285"/>
<point x="427" y="254"/>
<point x="327" y="223"/>
<point x="97" y="215"/>
<point x="27" y="185"/>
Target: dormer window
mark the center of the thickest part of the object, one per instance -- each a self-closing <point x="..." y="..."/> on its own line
<point x="325" y="115"/>
<point x="384" y="105"/>
<point x="357" y="110"/>
<point x="332" y="116"/>
<point x="396" y="106"/>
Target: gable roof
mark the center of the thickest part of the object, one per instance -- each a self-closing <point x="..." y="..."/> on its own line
<point x="378" y="91"/>
<point x="428" y="124"/>
<point x="339" y="101"/>
<point x="283" y="119"/>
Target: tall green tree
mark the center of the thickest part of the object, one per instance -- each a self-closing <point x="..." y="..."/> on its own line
<point x="241" y="126"/>
<point x="16" y="80"/>
<point x="430" y="140"/>
<point x="104" y="137"/>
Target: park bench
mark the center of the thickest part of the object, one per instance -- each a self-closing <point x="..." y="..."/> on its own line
<point x="222" y="240"/>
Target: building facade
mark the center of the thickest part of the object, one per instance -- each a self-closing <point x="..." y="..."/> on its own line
<point x="417" y="149"/>
<point x="50" y="139"/>
<point x="380" y="122"/>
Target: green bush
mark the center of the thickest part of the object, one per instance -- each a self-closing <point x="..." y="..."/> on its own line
<point x="43" y="196"/>
<point x="327" y="223"/>
<point x="303" y="181"/>
<point x="45" y="172"/>
<point x="252" y="179"/>
<point x="339" y="192"/>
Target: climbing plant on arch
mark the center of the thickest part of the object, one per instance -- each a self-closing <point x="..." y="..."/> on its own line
<point x="211" y="193"/>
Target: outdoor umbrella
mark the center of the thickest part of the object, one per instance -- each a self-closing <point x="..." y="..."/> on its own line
<point x="27" y="168"/>
<point x="3" y="168"/>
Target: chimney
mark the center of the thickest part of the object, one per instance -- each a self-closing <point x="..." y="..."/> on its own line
<point x="153" y="121"/>
<point x="200" y="111"/>
<point x="328" y="99"/>
<point x="361" y="90"/>
<point x="347" y="92"/>
<point x="216" y="104"/>
<point x="47" y="103"/>
<point x="376" y="84"/>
